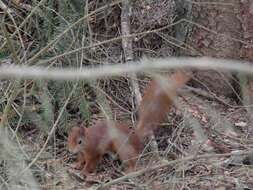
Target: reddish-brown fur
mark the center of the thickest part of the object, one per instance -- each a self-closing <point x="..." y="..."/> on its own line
<point x="107" y="136"/>
<point x="104" y="137"/>
<point x="157" y="101"/>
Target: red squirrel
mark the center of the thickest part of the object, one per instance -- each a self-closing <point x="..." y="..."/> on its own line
<point x="106" y="136"/>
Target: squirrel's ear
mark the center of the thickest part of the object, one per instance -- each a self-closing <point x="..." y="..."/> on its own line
<point x="82" y="130"/>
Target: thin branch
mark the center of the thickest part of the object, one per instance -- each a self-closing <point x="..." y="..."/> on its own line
<point x="50" y="134"/>
<point x="5" y="8"/>
<point x="127" y="46"/>
<point x="17" y="29"/>
<point x="109" y="70"/>
<point x="160" y="166"/>
<point x="55" y="40"/>
<point x="108" y="41"/>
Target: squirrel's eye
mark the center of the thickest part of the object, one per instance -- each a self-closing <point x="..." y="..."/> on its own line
<point x="79" y="141"/>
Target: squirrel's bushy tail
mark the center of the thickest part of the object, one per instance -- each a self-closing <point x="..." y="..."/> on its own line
<point x="156" y="102"/>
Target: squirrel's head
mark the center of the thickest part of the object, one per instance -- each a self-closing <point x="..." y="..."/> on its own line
<point x="76" y="139"/>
